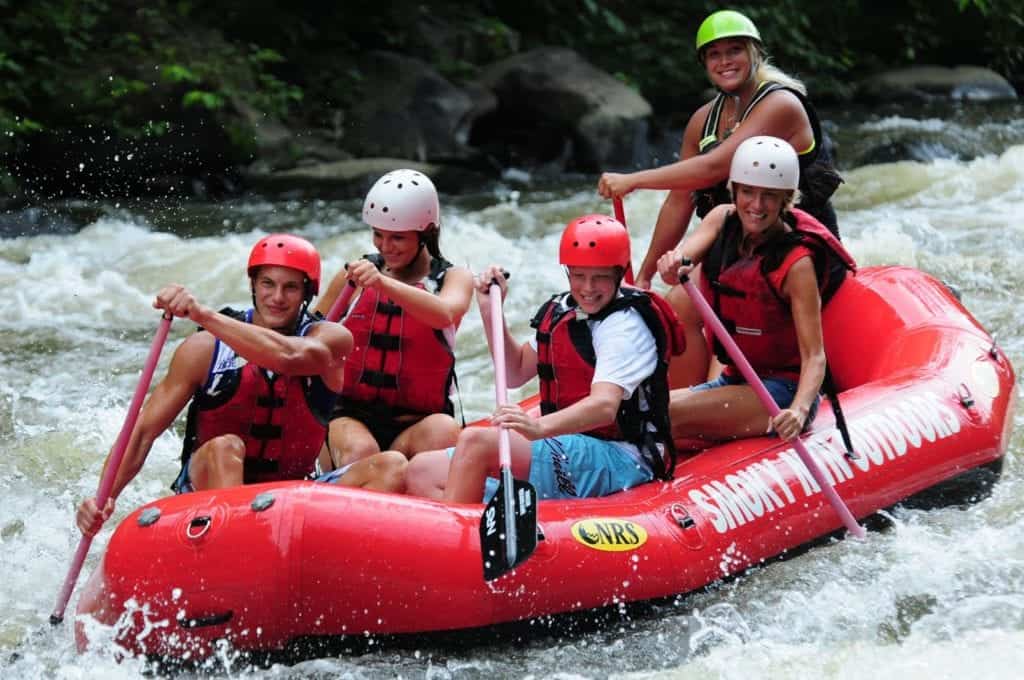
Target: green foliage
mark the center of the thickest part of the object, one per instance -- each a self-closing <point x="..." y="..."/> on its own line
<point x="139" y="69"/>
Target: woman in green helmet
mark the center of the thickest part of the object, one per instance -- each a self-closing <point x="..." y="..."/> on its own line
<point x="754" y="98"/>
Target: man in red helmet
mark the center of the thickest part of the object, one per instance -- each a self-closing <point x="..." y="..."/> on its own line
<point x="601" y="353"/>
<point x="262" y="384"/>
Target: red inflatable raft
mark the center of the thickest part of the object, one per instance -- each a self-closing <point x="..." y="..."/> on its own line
<point x="926" y="393"/>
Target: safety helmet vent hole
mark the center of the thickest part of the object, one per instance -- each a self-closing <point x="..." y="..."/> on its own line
<point x="415" y="183"/>
<point x="757" y="164"/>
<point x="384" y="209"/>
<point x="399" y="186"/>
<point x="593" y="244"/>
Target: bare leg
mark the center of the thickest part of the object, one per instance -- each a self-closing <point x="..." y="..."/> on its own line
<point x="436" y="431"/>
<point x="379" y="472"/>
<point x="728" y="412"/>
<point x="349" y="440"/>
<point x="427" y="474"/>
<point x="476" y="458"/>
<point x="691" y="367"/>
<point x="219" y="463"/>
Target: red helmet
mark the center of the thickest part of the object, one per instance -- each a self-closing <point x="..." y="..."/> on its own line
<point x="594" y="241"/>
<point x="285" y="250"/>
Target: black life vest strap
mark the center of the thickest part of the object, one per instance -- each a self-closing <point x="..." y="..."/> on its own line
<point x="829" y="387"/>
<point x="385" y="341"/>
<point x="709" y="135"/>
<point x="261" y="466"/>
<point x="265" y="431"/>
<point x="379" y="379"/>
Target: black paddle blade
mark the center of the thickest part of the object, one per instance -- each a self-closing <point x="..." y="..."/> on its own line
<point x="494" y="543"/>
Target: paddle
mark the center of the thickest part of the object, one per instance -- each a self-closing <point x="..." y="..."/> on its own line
<point x="620" y="215"/>
<point x="340" y="305"/>
<point x="711" y="319"/>
<point x="508" y="528"/>
<point x="113" y="465"/>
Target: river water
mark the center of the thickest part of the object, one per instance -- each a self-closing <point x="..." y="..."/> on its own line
<point x="940" y="594"/>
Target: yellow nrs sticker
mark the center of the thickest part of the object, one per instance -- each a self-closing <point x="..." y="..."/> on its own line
<point x="609" y="535"/>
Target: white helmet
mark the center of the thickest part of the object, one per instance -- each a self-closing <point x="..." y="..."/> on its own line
<point x="402" y="200"/>
<point x="767" y="162"/>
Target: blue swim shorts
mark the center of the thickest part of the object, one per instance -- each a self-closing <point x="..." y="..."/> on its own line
<point x="578" y="466"/>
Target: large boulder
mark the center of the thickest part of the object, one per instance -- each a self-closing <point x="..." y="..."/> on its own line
<point x="278" y="147"/>
<point x="408" y="110"/>
<point x="353" y="178"/>
<point x="554" y="105"/>
<point x="925" y="83"/>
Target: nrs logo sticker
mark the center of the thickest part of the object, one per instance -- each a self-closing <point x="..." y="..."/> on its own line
<point x="609" y="535"/>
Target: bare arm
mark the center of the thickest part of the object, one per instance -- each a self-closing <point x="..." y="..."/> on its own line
<point x="185" y="375"/>
<point x="321" y="352"/>
<point x="780" y="114"/>
<point x="801" y="289"/>
<point x="677" y="210"/>
<point x="669" y="230"/>
<point x="695" y="248"/>
<point x="597" y="409"/>
<point x="520" y="359"/>
<point x="437" y="311"/>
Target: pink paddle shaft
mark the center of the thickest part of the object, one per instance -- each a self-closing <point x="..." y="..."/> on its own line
<point x="341" y="304"/>
<point x="620" y="215"/>
<point x="114" y="464"/>
<point x="755" y="383"/>
<point x="500" y="386"/>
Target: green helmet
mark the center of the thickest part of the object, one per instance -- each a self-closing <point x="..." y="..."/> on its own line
<point x="725" y="24"/>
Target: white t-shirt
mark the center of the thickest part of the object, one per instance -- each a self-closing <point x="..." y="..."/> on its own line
<point x="625" y="350"/>
<point x="626" y="353"/>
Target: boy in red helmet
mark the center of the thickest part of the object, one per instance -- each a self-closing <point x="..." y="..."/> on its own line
<point x="261" y="383"/>
<point x="600" y="352"/>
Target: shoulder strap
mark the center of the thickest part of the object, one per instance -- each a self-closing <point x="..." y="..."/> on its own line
<point x="723" y="250"/>
<point x="709" y="135"/>
<point x="438" y="268"/>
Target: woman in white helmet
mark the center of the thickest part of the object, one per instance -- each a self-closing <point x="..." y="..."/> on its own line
<point x="399" y="376"/>
<point x="767" y="270"/>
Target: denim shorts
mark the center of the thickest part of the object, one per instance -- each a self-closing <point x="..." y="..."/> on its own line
<point x="578" y="466"/>
<point x="782" y="391"/>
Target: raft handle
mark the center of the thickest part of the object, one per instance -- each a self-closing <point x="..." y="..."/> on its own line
<point x="204" y="621"/>
<point x="993" y="351"/>
<point x="202" y="523"/>
<point x="682" y="517"/>
<point x="965" y="396"/>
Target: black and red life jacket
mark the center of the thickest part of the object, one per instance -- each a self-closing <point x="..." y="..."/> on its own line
<point x="282" y="420"/>
<point x="398" y="364"/>
<point x="749" y="305"/>
<point x="566" y="361"/>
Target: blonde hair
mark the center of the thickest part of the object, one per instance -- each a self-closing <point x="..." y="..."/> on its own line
<point x="764" y="69"/>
